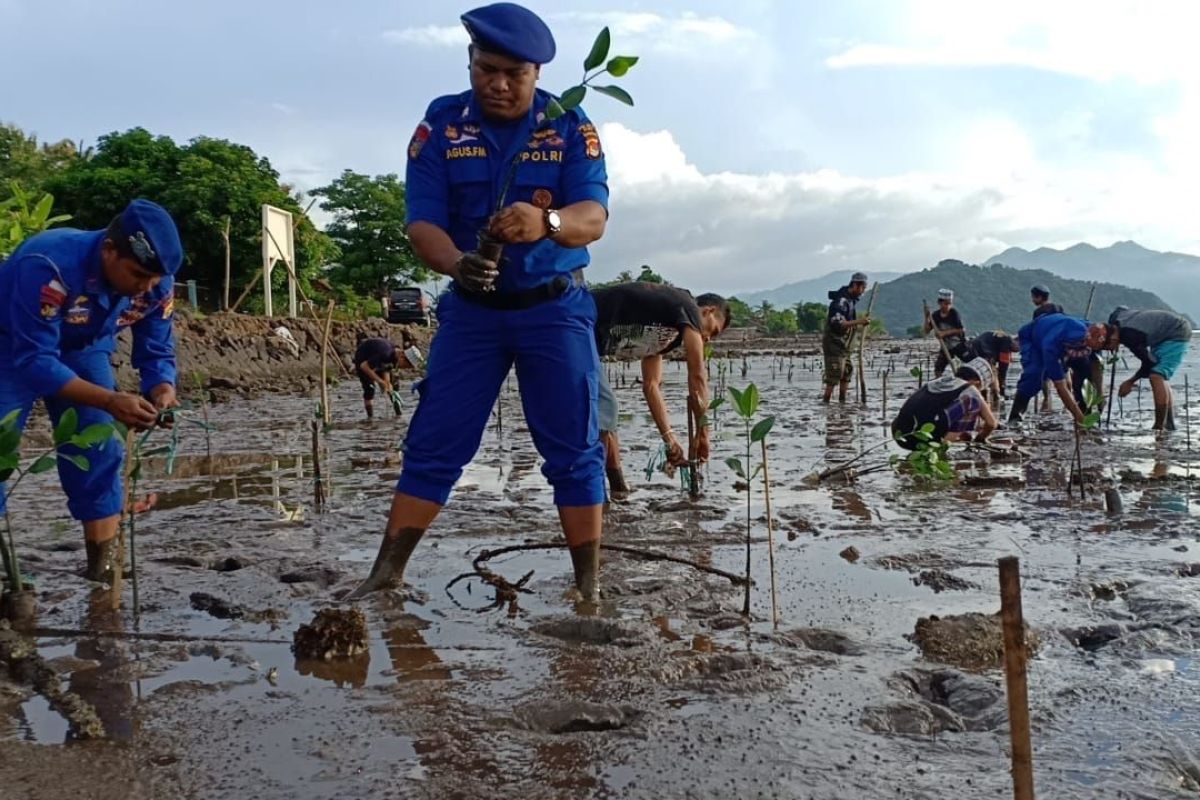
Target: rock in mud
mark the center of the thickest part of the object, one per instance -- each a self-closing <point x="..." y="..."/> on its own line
<point x="941" y="581"/>
<point x="575" y="716"/>
<point x="850" y="554"/>
<point x="973" y="642"/>
<point x="912" y="718"/>
<point x="1093" y="637"/>
<point x="938" y="701"/>
<point x="593" y="630"/>
<point x="333" y="633"/>
<point x="322" y="576"/>
<point x="1188" y="570"/>
<point x="738" y="672"/>
<point x="217" y="607"/>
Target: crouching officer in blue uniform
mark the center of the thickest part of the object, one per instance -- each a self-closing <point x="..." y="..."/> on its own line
<point x="1047" y="344"/>
<point x="493" y="147"/>
<point x="64" y="294"/>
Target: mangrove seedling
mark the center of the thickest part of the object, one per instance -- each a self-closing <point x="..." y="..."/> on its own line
<point x="928" y="459"/>
<point x="595" y="65"/>
<point x="1091" y="401"/>
<point x="66" y="432"/>
<point x="745" y="403"/>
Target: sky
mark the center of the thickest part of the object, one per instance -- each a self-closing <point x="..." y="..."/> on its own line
<point x="771" y="141"/>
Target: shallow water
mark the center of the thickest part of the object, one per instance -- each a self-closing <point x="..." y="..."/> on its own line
<point x="665" y="691"/>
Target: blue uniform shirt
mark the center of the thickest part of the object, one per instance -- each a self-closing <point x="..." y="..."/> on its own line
<point x="457" y="169"/>
<point x="54" y="299"/>
<point x="1055" y="337"/>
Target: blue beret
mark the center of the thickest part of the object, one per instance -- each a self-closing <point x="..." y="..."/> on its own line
<point x="153" y="237"/>
<point x="511" y="30"/>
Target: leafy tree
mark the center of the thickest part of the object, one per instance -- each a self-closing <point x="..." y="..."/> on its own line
<point x="21" y="216"/>
<point x="648" y="275"/>
<point x="202" y="184"/>
<point x="740" y="314"/>
<point x="810" y="317"/>
<point x="625" y="277"/>
<point x="23" y="160"/>
<point x="368" y="227"/>
<point x="780" y="323"/>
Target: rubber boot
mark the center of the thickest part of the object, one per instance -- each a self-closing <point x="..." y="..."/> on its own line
<point x="618" y="489"/>
<point x="100" y="558"/>
<point x="585" y="558"/>
<point x="1020" y="404"/>
<point x="388" y="569"/>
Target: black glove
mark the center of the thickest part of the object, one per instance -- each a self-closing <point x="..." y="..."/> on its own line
<point x="475" y="273"/>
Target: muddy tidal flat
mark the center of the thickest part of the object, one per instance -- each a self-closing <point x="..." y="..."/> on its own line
<point x="879" y="681"/>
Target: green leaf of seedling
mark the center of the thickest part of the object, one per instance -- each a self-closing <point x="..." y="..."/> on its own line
<point x="9" y="461"/>
<point x="735" y="464"/>
<point x="120" y="430"/>
<point x="42" y="210"/>
<point x="94" y="434"/>
<point x="599" y="50"/>
<point x="136" y="472"/>
<point x="79" y="461"/>
<point x="738" y="403"/>
<point x="572" y="97"/>
<point x="155" y="451"/>
<point x="716" y="403"/>
<point x="10" y="419"/>
<point x="554" y="110"/>
<point x="5" y="474"/>
<point x="616" y="93"/>
<point x="915" y="372"/>
<point x="619" y="65"/>
<point x="757" y="470"/>
<point x="42" y="464"/>
<point x="10" y="441"/>
<point x="751" y="398"/>
<point x="68" y="423"/>
<point x="761" y="430"/>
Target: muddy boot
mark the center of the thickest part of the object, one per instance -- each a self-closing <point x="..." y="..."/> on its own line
<point x="585" y="558"/>
<point x="618" y="489"/>
<point x="1020" y="404"/>
<point x="100" y="559"/>
<point x="388" y="570"/>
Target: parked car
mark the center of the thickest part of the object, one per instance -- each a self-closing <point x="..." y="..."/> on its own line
<point x="409" y="305"/>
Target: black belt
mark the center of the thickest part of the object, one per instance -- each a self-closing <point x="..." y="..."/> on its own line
<point x="524" y="298"/>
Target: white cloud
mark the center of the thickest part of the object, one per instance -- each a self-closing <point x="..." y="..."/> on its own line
<point x="733" y="232"/>
<point x="283" y="108"/>
<point x="429" y="36"/>
<point x="683" y="34"/>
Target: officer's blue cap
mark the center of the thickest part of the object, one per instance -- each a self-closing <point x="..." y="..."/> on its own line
<point x="1040" y="288"/>
<point x="152" y="237"/>
<point x="511" y="30"/>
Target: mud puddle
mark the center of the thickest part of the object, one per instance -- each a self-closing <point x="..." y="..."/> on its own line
<point x="663" y="689"/>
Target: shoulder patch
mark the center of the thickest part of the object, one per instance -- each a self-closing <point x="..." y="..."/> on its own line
<point x="591" y="140"/>
<point x="419" y="137"/>
<point x="51" y="298"/>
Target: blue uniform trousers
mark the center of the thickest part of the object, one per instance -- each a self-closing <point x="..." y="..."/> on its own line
<point x="97" y="492"/>
<point x="554" y="349"/>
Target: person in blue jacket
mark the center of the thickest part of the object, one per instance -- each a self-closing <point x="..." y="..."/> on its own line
<point x="490" y="161"/>
<point x="1047" y="343"/>
<point x="64" y="295"/>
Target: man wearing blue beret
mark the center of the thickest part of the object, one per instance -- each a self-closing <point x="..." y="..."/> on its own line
<point x="64" y="295"/>
<point x="489" y="161"/>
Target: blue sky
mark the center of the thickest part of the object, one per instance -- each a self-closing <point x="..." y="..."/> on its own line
<point x="771" y="141"/>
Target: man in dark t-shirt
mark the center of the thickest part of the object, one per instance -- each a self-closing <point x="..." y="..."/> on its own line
<point x="643" y="321"/>
<point x="373" y="363"/>
<point x="948" y="326"/>
<point x="995" y="347"/>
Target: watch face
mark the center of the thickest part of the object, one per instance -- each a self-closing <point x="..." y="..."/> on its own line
<point x="553" y="220"/>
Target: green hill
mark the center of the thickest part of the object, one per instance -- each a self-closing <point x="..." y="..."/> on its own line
<point x="994" y="297"/>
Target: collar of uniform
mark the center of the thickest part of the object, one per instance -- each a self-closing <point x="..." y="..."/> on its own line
<point x="93" y="276"/>
<point x="535" y="117"/>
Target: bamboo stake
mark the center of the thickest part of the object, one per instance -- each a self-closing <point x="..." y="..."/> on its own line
<point x="1087" y="312"/>
<point x="941" y="341"/>
<point x="884" y="392"/>
<point x="127" y="509"/>
<point x="1015" y="674"/>
<point x="862" y="342"/>
<point x="693" y="466"/>
<point x="770" y="534"/>
<point x="225" y="236"/>
<point x="1112" y="382"/>
<point x="318" y="486"/>
<point x="326" y="413"/>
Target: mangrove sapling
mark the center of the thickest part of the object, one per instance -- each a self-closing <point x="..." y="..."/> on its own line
<point x="595" y="65"/>
<point x="745" y="403"/>
<point x="1091" y="400"/>
<point x="66" y="432"/>
<point x="928" y="459"/>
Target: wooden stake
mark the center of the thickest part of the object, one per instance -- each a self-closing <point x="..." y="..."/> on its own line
<point x="1187" y="416"/>
<point x="225" y="236"/>
<point x="1015" y="658"/>
<point x="770" y="534"/>
<point x="127" y="509"/>
<point x="318" y="486"/>
<point x="862" y="341"/>
<point x="326" y="412"/>
<point x="693" y="465"/>
<point x="884" y="392"/>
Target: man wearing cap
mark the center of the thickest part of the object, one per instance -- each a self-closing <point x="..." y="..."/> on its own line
<point x="1047" y="343"/>
<point x="1159" y="339"/>
<point x="995" y="347"/>
<point x="953" y="404"/>
<point x="489" y="161"/>
<point x="1040" y="296"/>
<point x="947" y="325"/>
<point x="839" y="328"/>
<point x="64" y="295"/>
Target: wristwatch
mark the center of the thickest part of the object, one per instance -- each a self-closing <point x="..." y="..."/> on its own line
<point x="553" y="223"/>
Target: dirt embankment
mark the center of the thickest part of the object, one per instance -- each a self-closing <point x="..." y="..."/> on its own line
<point x="235" y="353"/>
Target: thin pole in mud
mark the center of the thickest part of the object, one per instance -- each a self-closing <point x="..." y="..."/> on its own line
<point x="1015" y="659"/>
<point x="693" y="465"/>
<point x="1087" y="312"/>
<point x="118" y="566"/>
<point x="883" y="392"/>
<point x="770" y="533"/>
<point x="862" y="341"/>
<point x="326" y="412"/>
<point x="318" y="485"/>
<point x="1187" y="416"/>
<point x="1112" y="383"/>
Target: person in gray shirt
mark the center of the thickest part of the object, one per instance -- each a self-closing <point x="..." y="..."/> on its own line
<point x="1159" y="339"/>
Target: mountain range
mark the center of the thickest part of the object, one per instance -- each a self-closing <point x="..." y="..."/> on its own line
<point x="1171" y="275"/>
<point x="814" y="290"/>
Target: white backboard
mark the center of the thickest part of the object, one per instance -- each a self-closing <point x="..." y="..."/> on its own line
<point x="278" y="245"/>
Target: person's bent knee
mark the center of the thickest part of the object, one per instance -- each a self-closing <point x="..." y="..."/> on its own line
<point x="422" y="487"/>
